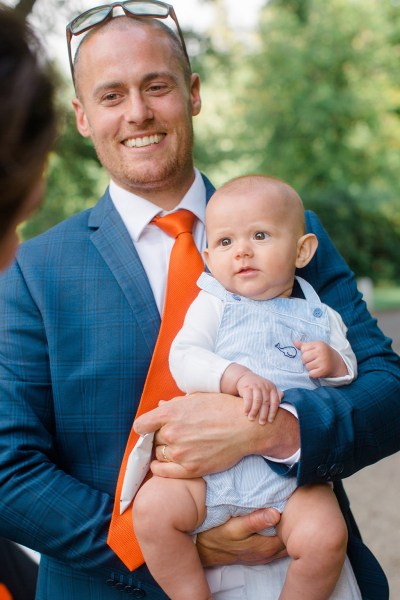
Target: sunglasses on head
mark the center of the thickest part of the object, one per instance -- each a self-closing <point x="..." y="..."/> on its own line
<point x="152" y="9"/>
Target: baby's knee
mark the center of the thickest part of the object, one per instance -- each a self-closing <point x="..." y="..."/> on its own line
<point x="326" y="542"/>
<point x="147" y="502"/>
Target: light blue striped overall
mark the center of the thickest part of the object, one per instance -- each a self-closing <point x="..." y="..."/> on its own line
<point x="260" y="334"/>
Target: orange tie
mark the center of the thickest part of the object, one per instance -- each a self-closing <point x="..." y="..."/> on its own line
<point x="185" y="267"/>
<point x="4" y="592"/>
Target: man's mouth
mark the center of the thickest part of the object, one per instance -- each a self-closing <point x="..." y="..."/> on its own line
<point x="147" y="140"/>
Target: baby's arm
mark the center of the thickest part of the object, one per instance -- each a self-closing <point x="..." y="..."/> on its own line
<point x="321" y="360"/>
<point x="334" y="362"/>
<point x="193" y="363"/>
<point x="196" y="367"/>
<point x="261" y="397"/>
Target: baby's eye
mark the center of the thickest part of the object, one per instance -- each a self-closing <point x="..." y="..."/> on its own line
<point x="225" y="242"/>
<point x="260" y="235"/>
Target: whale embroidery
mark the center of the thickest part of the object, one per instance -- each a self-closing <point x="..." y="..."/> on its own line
<point x="288" y="351"/>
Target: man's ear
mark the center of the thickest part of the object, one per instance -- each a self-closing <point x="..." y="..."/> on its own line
<point x="82" y="124"/>
<point x="306" y="248"/>
<point x="195" y="94"/>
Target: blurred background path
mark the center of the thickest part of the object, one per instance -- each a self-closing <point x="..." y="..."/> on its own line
<point x="374" y="492"/>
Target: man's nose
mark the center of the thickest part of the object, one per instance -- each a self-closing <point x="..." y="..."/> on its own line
<point x="137" y="109"/>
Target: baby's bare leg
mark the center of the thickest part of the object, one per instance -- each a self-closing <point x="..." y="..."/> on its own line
<point x="315" y="534"/>
<point x="163" y="511"/>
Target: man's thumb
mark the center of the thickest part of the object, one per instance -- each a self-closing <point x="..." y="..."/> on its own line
<point x="262" y="519"/>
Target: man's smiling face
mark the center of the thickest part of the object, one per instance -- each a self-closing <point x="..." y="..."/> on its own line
<point x="137" y="106"/>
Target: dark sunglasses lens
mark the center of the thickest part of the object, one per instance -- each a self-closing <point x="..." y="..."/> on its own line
<point x="89" y="19"/>
<point x="147" y="8"/>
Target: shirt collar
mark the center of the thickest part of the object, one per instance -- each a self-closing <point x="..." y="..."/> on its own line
<point x="136" y="212"/>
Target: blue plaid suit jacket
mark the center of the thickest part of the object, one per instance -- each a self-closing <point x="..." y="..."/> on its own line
<point x="77" y="331"/>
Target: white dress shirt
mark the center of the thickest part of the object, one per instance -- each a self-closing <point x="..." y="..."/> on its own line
<point x="152" y="244"/>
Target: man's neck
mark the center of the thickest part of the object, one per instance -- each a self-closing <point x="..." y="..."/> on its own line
<point x="167" y="197"/>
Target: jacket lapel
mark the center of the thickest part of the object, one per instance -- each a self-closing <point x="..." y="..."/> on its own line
<point x="113" y="242"/>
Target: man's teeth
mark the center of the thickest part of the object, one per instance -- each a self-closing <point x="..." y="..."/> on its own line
<point x="144" y="141"/>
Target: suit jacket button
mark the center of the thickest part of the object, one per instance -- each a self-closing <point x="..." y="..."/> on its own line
<point x="322" y="470"/>
<point x="111" y="582"/>
<point x="137" y="593"/>
<point x="336" y="469"/>
<point x="120" y="586"/>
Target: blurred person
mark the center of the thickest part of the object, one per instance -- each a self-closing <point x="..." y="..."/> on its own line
<point x="84" y="304"/>
<point x="27" y="132"/>
<point x="27" y="127"/>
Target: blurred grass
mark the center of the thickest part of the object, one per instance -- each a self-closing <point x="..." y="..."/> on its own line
<point x="386" y="298"/>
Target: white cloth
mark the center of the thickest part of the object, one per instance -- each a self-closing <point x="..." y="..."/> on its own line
<point x="264" y="582"/>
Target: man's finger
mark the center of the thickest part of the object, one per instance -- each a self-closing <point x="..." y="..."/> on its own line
<point x="256" y="521"/>
<point x="169" y="469"/>
<point x="148" y="422"/>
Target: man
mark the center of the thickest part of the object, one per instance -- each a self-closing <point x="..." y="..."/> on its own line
<point x="82" y="311"/>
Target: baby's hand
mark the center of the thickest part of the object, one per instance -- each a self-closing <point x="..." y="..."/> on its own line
<point x="261" y="397"/>
<point x="321" y="360"/>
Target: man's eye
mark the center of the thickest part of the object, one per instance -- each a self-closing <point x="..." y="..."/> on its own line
<point x="158" y="89"/>
<point x="260" y="235"/>
<point x="110" y="97"/>
<point x="225" y="242"/>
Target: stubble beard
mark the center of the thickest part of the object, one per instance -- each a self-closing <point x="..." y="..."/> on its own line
<point x="167" y="174"/>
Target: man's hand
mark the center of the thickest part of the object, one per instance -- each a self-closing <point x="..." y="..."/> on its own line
<point x="237" y="541"/>
<point x="205" y="433"/>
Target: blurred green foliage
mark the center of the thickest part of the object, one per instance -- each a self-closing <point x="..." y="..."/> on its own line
<point x="311" y="96"/>
<point x="314" y="98"/>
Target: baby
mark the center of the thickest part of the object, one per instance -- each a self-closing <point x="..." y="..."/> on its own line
<point x="246" y="334"/>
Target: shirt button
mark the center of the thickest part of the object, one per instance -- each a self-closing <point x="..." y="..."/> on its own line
<point x="317" y="312"/>
<point x="236" y="297"/>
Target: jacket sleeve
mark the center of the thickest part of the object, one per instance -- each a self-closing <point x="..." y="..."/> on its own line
<point x="346" y="428"/>
<point x="41" y="505"/>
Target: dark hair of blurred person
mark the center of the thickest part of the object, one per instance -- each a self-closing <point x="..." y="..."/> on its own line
<point x="27" y="126"/>
<point x="27" y="132"/>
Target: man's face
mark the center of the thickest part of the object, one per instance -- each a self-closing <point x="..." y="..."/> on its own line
<point x="137" y="107"/>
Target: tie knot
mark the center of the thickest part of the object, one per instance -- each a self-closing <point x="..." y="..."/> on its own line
<point x="176" y="223"/>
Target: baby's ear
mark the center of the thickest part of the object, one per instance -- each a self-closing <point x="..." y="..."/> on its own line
<point x="306" y="248"/>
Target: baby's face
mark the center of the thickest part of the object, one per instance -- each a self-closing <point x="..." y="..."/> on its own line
<point x="252" y="242"/>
